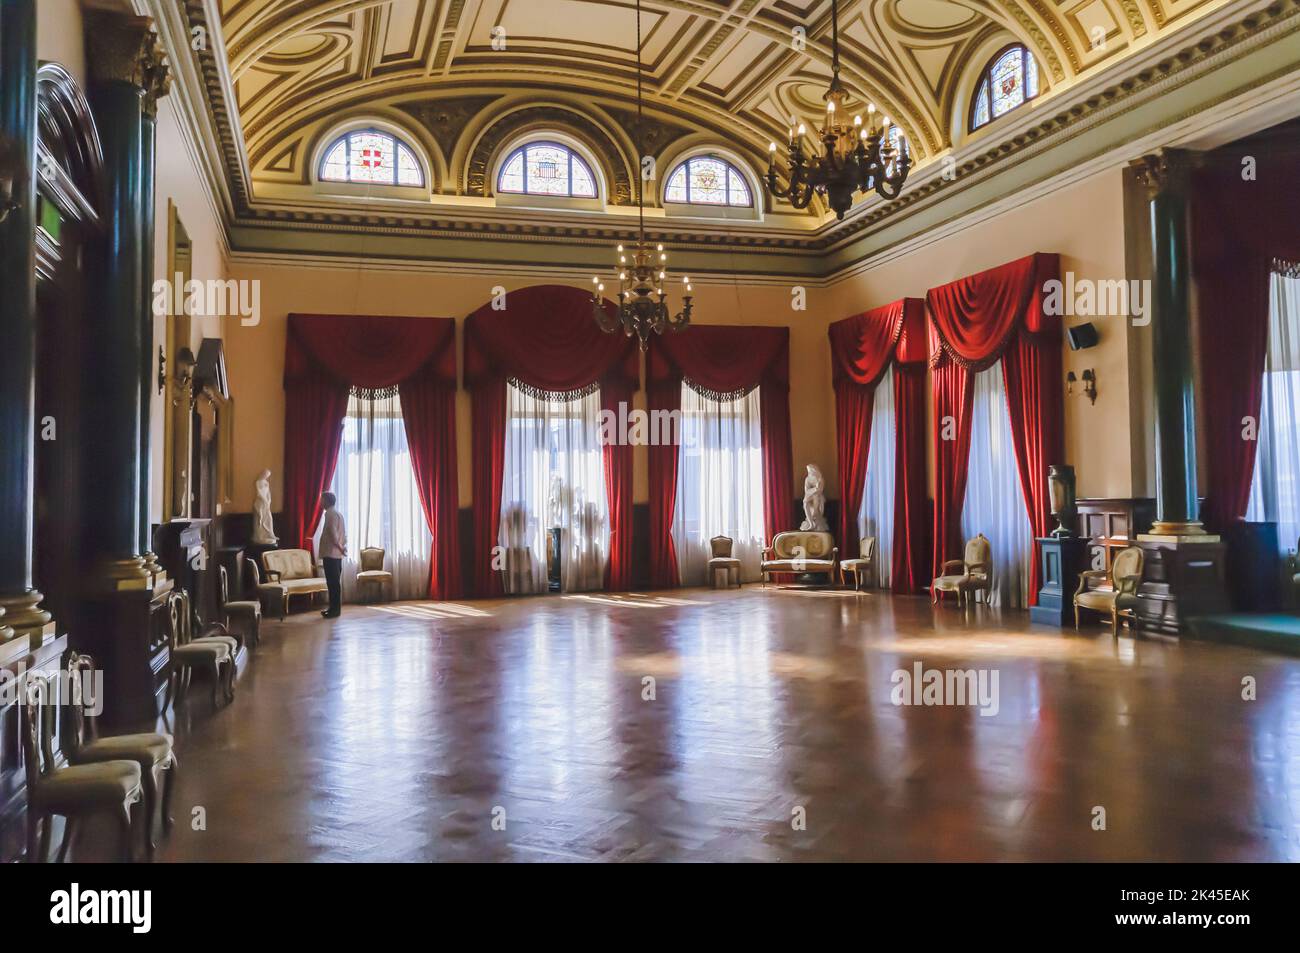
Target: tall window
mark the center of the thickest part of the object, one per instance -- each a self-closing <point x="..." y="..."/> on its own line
<point x="719" y="483"/>
<point x="708" y="180"/>
<point x="547" y="168"/>
<point x="553" y="492"/>
<point x="371" y="156"/>
<point x="378" y="497"/>
<point x="1275" y="489"/>
<point x="994" y="504"/>
<point x="1010" y="79"/>
<point x="876" y="517"/>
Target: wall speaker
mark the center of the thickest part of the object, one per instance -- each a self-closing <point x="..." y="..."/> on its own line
<point x="1083" y="336"/>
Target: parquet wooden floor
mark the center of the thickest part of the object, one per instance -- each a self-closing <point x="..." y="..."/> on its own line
<point x="403" y="732"/>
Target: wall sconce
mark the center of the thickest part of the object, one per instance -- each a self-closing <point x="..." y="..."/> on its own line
<point x="1089" y="384"/>
<point x="184" y="375"/>
<point x="9" y="172"/>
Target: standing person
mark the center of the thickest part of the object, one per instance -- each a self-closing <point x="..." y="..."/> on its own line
<point x="333" y="547"/>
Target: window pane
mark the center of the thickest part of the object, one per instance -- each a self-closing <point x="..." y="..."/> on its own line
<point x="512" y="175"/>
<point x="584" y="186"/>
<point x="372" y="157"/>
<point x="1031" y="77"/>
<point x="676" y="191"/>
<point x="547" y="170"/>
<point x="981" y="106"/>
<point x="408" y="168"/>
<point x="707" y="179"/>
<point x="737" y="189"/>
<point x="1007" y="76"/>
<point x="335" y="166"/>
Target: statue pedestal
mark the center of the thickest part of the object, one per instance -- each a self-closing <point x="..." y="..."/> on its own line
<point x="1063" y="559"/>
<point x="1183" y="576"/>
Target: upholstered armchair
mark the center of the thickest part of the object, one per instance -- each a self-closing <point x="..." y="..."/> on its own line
<point x="294" y="570"/>
<point x="272" y="595"/>
<point x="801" y="552"/>
<point x="723" y="562"/>
<point x="1121" y="598"/>
<point x="862" y="566"/>
<point x="371" y="572"/>
<point x="970" y="575"/>
<point x="1293" y="566"/>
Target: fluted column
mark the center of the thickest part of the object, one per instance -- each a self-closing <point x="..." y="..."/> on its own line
<point x="18" y="599"/>
<point x="1167" y="175"/>
<point x="157" y="82"/>
<point x="121" y="56"/>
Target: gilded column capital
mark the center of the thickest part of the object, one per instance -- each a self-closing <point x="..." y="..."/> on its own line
<point x="157" y="76"/>
<point x="121" y="48"/>
<point x="1165" y="170"/>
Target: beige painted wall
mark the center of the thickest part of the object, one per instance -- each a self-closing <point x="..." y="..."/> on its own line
<point x="256" y="354"/>
<point x="1084" y="223"/>
<point x="58" y="36"/>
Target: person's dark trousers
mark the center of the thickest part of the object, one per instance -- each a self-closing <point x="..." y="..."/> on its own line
<point x="334" y="579"/>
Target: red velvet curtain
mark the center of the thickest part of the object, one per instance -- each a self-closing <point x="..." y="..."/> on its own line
<point x="725" y="359"/>
<point x="1238" y="228"/>
<point x="545" y="337"/>
<point x="862" y="347"/>
<point x="997" y="314"/>
<point x="328" y="354"/>
<point x="911" y="566"/>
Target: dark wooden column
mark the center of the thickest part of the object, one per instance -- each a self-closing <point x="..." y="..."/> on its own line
<point x="156" y="85"/>
<point x="18" y="599"/>
<point x="1184" y="572"/>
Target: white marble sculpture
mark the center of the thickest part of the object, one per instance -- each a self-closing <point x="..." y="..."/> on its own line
<point x="814" y="501"/>
<point x="263" y="527"/>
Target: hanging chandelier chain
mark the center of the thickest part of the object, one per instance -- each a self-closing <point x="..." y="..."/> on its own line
<point x="640" y="123"/>
<point x="835" y="40"/>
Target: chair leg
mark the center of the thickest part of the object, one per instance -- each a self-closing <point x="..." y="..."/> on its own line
<point x="33" y="827"/>
<point x="69" y="832"/>
<point x="1076" y="617"/>
<point x="47" y="833"/>
<point x="1114" y="622"/>
<point x="126" y="828"/>
<point x="216" y="681"/>
<point x="149" y="782"/>
<point x="169" y="788"/>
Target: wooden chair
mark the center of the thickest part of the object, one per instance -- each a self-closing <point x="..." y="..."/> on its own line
<point x="270" y="594"/>
<point x="1121" y="598"/>
<point x="371" y="572"/>
<point x="110" y="787"/>
<point x="972" y="574"/>
<point x="212" y="653"/>
<point x="248" y="613"/>
<point x="863" y="565"/>
<point x="723" y="562"/>
<point x="151" y="750"/>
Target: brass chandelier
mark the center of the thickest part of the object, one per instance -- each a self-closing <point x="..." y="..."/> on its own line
<point x="642" y="305"/>
<point x="857" y="158"/>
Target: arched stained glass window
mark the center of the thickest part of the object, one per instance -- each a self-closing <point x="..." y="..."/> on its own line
<point x="371" y="156"/>
<point x="547" y="168"/>
<point x="1010" y="80"/>
<point x="708" y="180"/>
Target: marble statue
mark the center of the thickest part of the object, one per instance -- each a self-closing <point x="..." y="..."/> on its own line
<point x="814" y="501"/>
<point x="263" y="527"/>
<point x="555" y="502"/>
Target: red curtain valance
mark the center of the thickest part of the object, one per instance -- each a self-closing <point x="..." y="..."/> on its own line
<point x="975" y="318"/>
<point x="545" y="337"/>
<point x="863" y="346"/>
<point x="722" y="358"/>
<point x="371" y="352"/>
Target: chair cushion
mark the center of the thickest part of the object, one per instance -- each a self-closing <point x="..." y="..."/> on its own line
<point x="229" y="641"/>
<point x="374" y="575"/>
<point x="298" y="586"/>
<point x="720" y="562"/>
<point x="244" y="608"/>
<point x="950" y="583"/>
<point x="203" y="651"/>
<point x="1099" y="599"/>
<point x="809" y="545"/>
<point x="797" y="565"/>
<point x="289" y="563"/>
<point x="146" y="749"/>
<point x="856" y="563"/>
<point x="86" y="787"/>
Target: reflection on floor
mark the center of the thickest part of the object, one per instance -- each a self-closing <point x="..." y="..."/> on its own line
<point x="591" y="728"/>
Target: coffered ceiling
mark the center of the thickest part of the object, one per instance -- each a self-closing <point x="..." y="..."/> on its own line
<point x="735" y="72"/>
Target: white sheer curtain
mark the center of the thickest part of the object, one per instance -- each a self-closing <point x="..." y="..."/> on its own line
<point x="1275" y="489"/>
<point x="378" y="498"/>
<point x="876" y="517"/>
<point x="994" y="504"/>
<point x="554" y="477"/>
<point x="719" y="483"/>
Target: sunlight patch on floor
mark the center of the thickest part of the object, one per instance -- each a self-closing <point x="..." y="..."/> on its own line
<point x="434" y="610"/>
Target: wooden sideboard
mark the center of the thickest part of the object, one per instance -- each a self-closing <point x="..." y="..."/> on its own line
<point x="1113" y="524"/>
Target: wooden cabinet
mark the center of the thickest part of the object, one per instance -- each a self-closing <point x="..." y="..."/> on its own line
<point x="1113" y="524"/>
